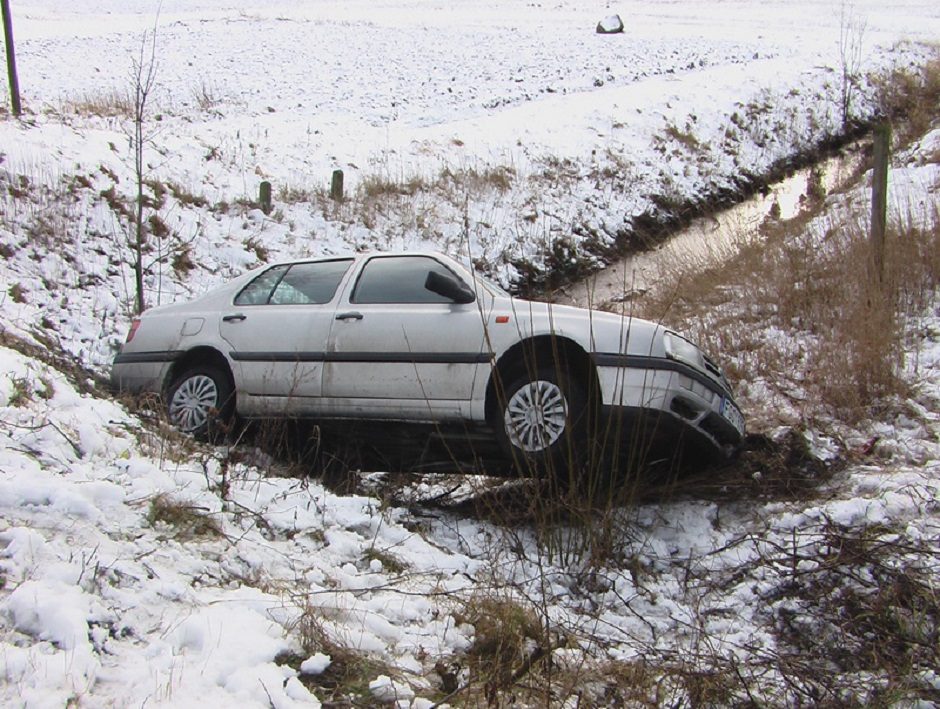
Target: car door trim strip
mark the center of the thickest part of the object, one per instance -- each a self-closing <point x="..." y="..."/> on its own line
<point x="142" y="357"/>
<point x="365" y="357"/>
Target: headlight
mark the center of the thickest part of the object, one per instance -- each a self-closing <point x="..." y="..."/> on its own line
<point x="681" y="349"/>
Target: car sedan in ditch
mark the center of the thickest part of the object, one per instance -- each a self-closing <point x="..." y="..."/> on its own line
<point x="421" y="337"/>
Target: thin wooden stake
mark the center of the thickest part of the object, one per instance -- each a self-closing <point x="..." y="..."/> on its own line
<point x="879" y="197"/>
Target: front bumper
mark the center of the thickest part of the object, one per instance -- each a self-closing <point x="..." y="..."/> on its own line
<point x="673" y="392"/>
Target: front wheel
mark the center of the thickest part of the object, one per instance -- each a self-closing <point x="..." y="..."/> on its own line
<point x="200" y="402"/>
<point x="541" y="421"/>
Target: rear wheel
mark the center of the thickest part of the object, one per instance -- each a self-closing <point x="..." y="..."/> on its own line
<point x="200" y="402"/>
<point x="541" y="421"/>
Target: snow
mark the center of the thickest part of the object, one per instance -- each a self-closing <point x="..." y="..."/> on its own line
<point x="102" y="606"/>
<point x="316" y="664"/>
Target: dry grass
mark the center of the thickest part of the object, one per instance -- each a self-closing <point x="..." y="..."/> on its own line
<point x="108" y="104"/>
<point x="185" y="196"/>
<point x="868" y="624"/>
<point x="21" y="393"/>
<point x="798" y="306"/>
<point x="452" y="183"/>
<point x="206" y="95"/>
<point x="684" y="137"/>
<point x="46" y="350"/>
<point x="510" y="644"/>
<point x="498" y="178"/>
<point x="912" y="95"/>
<point x="182" y="261"/>
<point x="345" y="683"/>
<point x="187" y="522"/>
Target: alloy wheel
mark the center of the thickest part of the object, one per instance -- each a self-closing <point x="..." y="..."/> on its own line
<point x="193" y="401"/>
<point x="536" y="416"/>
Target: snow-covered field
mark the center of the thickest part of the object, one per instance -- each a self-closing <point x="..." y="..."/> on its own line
<point x="499" y="130"/>
<point x="505" y="131"/>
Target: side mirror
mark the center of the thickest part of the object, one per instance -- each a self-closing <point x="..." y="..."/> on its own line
<point x="448" y="287"/>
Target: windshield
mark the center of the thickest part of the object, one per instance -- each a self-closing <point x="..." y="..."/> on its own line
<point x="491" y="285"/>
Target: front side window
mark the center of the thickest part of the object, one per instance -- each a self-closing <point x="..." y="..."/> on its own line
<point x="310" y="283"/>
<point x="399" y="279"/>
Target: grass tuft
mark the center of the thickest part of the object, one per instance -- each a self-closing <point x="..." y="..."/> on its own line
<point x="182" y="262"/>
<point x="18" y="293"/>
<point x="21" y="393"/>
<point x="508" y="641"/>
<point x="346" y="681"/>
<point x="108" y="104"/>
<point x="188" y="522"/>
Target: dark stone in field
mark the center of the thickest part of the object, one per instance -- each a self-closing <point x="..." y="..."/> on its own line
<point x="610" y="25"/>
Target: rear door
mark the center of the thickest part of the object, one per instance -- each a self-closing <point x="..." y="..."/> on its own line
<point x="397" y="347"/>
<point x="278" y="328"/>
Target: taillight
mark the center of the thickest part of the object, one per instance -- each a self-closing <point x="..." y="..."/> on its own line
<point x="133" y="331"/>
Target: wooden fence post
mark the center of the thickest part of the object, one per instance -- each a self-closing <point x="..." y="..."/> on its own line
<point x="264" y="196"/>
<point x="11" y="57"/>
<point x="879" y="197"/>
<point x="336" y="186"/>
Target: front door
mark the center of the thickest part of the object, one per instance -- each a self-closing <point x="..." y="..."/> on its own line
<point x="398" y="347"/>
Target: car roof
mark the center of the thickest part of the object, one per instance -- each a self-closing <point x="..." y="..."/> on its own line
<point x="362" y="257"/>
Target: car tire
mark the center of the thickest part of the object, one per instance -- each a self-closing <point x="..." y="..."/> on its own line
<point x="200" y="402"/>
<point x="541" y="422"/>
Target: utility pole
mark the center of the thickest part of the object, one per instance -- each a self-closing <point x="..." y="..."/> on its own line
<point x="11" y="57"/>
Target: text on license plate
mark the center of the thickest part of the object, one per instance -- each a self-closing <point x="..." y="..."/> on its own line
<point x="733" y="415"/>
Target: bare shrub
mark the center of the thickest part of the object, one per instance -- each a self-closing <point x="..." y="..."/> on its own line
<point x="851" y="36"/>
<point x="909" y="97"/>
<point x="142" y="80"/>
<point x="868" y="609"/>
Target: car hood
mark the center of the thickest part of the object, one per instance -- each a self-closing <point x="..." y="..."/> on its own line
<point x="600" y="331"/>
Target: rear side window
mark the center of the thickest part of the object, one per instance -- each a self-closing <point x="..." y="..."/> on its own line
<point x="399" y="279"/>
<point x="310" y="283"/>
<point x="259" y="290"/>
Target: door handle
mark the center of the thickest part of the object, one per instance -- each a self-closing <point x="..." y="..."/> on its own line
<point x="238" y="317"/>
<point x="352" y="315"/>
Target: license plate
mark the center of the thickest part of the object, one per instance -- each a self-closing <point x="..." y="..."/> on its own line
<point x="732" y="415"/>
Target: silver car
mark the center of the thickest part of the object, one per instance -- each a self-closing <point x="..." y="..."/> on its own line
<point x="420" y="337"/>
